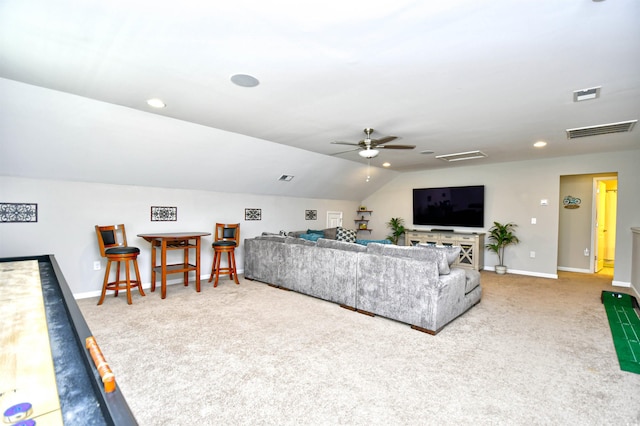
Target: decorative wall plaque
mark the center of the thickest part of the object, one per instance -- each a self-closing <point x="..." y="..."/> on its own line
<point x="311" y="215"/>
<point x="18" y="212"/>
<point x="164" y="214"/>
<point x="252" y="214"/>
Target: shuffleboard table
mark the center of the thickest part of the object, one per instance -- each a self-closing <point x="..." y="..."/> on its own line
<point x="47" y="374"/>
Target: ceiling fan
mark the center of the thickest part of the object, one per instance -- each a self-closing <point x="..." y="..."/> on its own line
<point x="369" y="148"/>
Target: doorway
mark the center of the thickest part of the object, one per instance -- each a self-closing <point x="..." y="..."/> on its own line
<point x="605" y="196"/>
<point x="334" y="219"/>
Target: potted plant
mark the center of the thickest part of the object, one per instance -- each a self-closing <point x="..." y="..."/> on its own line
<point x="397" y="229"/>
<point x="500" y="236"/>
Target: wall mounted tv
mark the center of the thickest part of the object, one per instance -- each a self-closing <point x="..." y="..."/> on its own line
<point x="449" y="206"/>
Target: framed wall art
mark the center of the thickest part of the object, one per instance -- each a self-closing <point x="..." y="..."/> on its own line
<point x="252" y="214"/>
<point x="164" y="214"/>
<point x="18" y="212"/>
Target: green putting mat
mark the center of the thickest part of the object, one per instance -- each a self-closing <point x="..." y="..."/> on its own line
<point x="625" y="328"/>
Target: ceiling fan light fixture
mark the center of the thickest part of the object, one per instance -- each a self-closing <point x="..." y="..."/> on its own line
<point x="369" y="153"/>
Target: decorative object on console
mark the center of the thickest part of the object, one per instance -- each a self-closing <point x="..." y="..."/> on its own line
<point x="500" y="236"/>
<point x="397" y="229"/>
<point x="18" y="212"/>
<point x="252" y="214"/>
<point x="164" y="214"/>
<point x="311" y="215"/>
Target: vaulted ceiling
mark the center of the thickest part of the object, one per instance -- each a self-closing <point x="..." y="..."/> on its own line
<point x="454" y="76"/>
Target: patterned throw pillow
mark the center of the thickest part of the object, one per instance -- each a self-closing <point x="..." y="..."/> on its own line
<point x="348" y="235"/>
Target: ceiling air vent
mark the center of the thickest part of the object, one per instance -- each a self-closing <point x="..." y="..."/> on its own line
<point x="602" y="129"/>
<point x="285" y="178"/>
<point x="460" y="156"/>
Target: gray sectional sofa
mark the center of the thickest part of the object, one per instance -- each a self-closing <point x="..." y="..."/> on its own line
<point x="414" y="285"/>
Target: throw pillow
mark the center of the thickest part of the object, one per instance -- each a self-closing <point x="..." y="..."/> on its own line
<point x="310" y="237"/>
<point x="315" y="231"/>
<point x="343" y="234"/>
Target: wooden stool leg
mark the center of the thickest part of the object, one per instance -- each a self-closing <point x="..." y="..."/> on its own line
<point x="128" y="275"/>
<point x="213" y="265"/>
<point x="217" y="268"/>
<point x="106" y="282"/>
<point x="117" y="282"/>
<point x="232" y="264"/>
<point x="135" y="265"/>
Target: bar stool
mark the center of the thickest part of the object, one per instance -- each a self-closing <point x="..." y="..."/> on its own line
<point x="113" y="246"/>
<point x="226" y="239"/>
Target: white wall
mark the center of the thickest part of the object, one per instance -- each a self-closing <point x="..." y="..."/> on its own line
<point x="512" y="194"/>
<point x="68" y="212"/>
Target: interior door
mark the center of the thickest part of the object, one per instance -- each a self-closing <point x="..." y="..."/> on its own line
<point x="334" y="219"/>
<point x="600" y="243"/>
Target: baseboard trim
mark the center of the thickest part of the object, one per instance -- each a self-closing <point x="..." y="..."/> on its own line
<point x="145" y="286"/>
<point x="579" y="270"/>
<point x="528" y="273"/>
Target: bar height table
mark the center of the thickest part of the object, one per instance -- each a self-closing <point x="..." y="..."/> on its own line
<point x="174" y="241"/>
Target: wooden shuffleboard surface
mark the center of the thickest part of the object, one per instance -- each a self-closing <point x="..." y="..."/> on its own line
<point x="28" y="390"/>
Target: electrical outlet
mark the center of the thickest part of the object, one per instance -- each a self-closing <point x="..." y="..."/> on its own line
<point x="532" y="254"/>
<point x="533" y="221"/>
<point x="586" y="252"/>
<point x="97" y="265"/>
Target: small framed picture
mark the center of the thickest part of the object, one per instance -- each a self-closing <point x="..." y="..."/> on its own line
<point x="164" y="214"/>
<point x="252" y="214"/>
<point x="18" y="212"/>
<point x="311" y="215"/>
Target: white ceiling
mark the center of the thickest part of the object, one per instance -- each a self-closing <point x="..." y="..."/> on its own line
<point x="451" y="76"/>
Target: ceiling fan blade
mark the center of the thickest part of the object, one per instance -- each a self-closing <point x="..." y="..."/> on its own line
<point x="345" y="143"/>
<point x="396" y="146"/>
<point x="344" y="152"/>
<point x="384" y="140"/>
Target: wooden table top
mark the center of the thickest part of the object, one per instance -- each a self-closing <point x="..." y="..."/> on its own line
<point x="172" y="235"/>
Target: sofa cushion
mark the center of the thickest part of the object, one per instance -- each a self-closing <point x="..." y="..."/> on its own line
<point x="316" y="231"/>
<point x="366" y="242"/>
<point x="344" y="234"/>
<point x="418" y="253"/>
<point x="296" y="240"/>
<point x="452" y="253"/>
<point x="340" y="245"/>
<point x="330" y="233"/>
<point x="472" y="280"/>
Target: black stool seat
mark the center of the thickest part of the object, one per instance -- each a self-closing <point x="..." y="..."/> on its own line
<point x="122" y="250"/>
<point x="224" y="244"/>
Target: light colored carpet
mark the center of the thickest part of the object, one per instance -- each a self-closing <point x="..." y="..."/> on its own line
<point x="534" y="351"/>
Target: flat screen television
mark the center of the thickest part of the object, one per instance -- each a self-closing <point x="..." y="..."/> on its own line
<point x="449" y="206"/>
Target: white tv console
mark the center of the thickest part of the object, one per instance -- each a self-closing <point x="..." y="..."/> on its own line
<point x="472" y="244"/>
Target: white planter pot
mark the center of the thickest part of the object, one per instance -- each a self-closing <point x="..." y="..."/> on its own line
<point x="501" y="269"/>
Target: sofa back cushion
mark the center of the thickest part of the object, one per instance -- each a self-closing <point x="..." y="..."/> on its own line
<point x="341" y="245"/>
<point x="452" y="253"/>
<point x="418" y="253"/>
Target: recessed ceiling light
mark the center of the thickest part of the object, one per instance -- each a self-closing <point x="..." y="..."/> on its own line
<point x="156" y="103"/>
<point x="244" y="80"/>
<point x="386" y="164"/>
<point x="285" y="178"/>
<point x="540" y="144"/>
